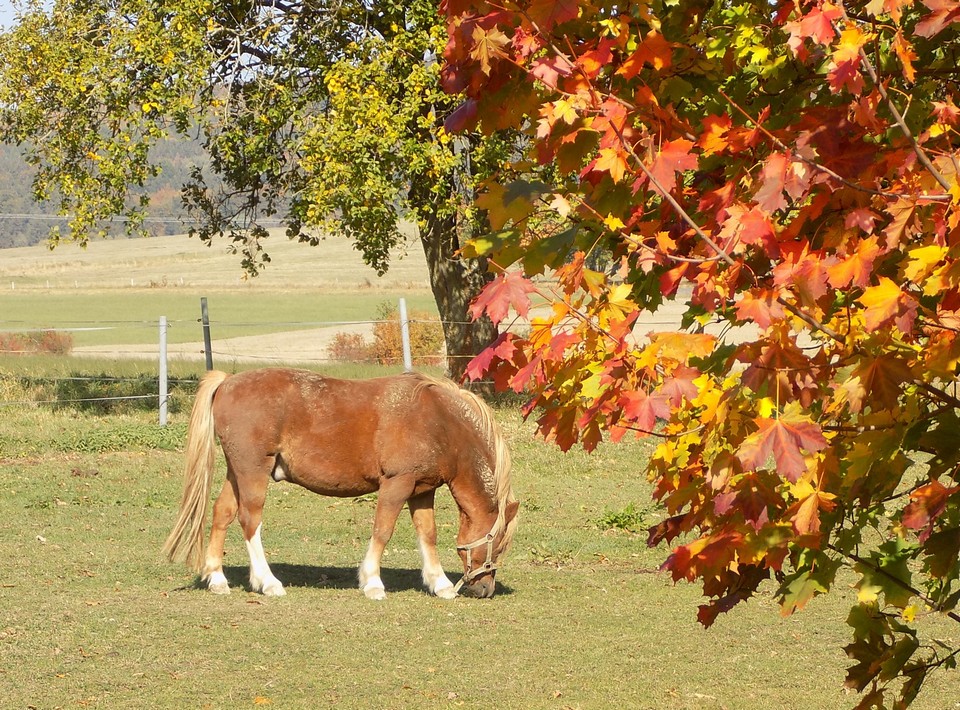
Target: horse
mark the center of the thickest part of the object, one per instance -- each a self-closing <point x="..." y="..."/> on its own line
<point x="403" y="435"/>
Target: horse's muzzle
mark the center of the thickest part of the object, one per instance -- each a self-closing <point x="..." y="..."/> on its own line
<point x="482" y="588"/>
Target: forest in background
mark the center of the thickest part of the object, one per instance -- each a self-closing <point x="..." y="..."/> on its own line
<point x="24" y="222"/>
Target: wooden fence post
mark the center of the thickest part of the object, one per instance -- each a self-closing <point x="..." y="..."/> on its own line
<point x="205" y="320"/>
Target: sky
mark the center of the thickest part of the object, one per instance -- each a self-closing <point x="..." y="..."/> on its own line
<point x="6" y="13"/>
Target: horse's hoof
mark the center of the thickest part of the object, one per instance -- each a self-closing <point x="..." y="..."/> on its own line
<point x="376" y="593"/>
<point x="219" y="588"/>
<point x="446" y="593"/>
<point x="274" y="590"/>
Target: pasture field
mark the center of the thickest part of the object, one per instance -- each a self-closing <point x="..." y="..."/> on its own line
<point x="92" y="617"/>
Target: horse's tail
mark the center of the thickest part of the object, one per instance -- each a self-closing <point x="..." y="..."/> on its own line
<point x="186" y="539"/>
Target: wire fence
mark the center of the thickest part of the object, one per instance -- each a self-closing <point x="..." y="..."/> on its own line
<point x="377" y="341"/>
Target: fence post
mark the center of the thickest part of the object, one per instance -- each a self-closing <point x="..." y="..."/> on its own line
<point x="205" y="320"/>
<point x="163" y="371"/>
<point x="405" y="336"/>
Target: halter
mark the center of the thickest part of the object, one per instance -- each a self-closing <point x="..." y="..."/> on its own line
<point x="489" y="565"/>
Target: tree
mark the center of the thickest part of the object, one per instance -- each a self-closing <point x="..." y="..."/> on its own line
<point x="319" y="113"/>
<point x="790" y="168"/>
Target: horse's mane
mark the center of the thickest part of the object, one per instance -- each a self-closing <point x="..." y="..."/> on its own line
<point x="482" y="417"/>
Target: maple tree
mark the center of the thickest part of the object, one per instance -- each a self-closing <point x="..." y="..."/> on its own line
<point x="789" y="172"/>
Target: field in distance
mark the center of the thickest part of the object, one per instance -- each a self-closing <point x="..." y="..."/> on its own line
<point x="179" y="261"/>
<point x="110" y="295"/>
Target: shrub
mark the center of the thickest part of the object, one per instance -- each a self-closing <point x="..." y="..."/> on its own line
<point x="42" y="341"/>
<point x="426" y="337"/>
<point x="351" y="347"/>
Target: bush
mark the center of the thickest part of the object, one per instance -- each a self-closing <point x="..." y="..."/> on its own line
<point x="426" y="337"/>
<point x="351" y="347"/>
<point x="43" y="341"/>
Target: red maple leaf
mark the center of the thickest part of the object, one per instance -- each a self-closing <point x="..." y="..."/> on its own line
<point x="643" y="410"/>
<point x="506" y="290"/>
<point x="549" y="70"/>
<point x="501" y="349"/>
<point x="762" y="308"/>
<point x="818" y="23"/>
<point x="770" y="195"/>
<point x="674" y="157"/>
<point x="927" y="503"/>
<point x="943" y="13"/>
<point x="783" y="438"/>
<point x="547" y="14"/>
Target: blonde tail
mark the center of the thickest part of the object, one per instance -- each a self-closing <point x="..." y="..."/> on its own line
<point x="186" y="539"/>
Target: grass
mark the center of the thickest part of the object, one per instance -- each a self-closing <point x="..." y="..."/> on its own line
<point x="132" y="318"/>
<point x="90" y="616"/>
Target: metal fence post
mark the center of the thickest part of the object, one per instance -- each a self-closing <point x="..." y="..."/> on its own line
<point x="205" y="320"/>
<point x="405" y="336"/>
<point x="163" y="371"/>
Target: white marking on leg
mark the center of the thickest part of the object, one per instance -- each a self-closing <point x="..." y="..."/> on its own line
<point x="434" y="577"/>
<point x="370" y="583"/>
<point x="261" y="578"/>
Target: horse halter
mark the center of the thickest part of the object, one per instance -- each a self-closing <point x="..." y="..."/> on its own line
<point x="489" y="564"/>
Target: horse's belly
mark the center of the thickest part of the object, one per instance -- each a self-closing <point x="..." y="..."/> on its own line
<point x="326" y="479"/>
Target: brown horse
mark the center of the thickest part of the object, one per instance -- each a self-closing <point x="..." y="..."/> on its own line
<point x="403" y="436"/>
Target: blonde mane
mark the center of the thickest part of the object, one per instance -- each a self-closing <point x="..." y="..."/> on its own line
<point x="484" y="421"/>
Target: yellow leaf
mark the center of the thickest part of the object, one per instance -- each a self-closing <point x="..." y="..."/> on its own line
<point x="766" y="407"/>
<point x="613" y="223"/>
<point x="922" y="261"/>
<point x="260" y="700"/>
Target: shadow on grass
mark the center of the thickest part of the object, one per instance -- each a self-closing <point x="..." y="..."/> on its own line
<point x="316" y="577"/>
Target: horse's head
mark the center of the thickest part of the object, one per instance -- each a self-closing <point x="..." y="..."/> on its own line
<point x="480" y="556"/>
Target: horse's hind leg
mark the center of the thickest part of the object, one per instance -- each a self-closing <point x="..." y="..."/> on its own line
<point x="393" y="494"/>
<point x="252" y="489"/>
<point x="424" y="522"/>
<point x="224" y="511"/>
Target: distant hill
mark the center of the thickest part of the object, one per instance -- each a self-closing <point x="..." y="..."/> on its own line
<point x="24" y="222"/>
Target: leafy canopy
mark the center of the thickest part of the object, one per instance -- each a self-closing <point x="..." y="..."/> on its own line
<point x="789" y="172"/>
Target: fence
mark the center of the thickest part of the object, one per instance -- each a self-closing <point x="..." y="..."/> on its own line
<point x="162" y="352"/>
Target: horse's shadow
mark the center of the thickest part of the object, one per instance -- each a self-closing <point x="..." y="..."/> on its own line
<point x="317" y="577"/>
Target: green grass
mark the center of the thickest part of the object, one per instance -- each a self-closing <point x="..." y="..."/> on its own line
<point x="133" y="316"/>
<point x="91" y="616"/>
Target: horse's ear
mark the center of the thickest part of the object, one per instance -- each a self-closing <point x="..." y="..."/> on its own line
<point x="511" y="512"/>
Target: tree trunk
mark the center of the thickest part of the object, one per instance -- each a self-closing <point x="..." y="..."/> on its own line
<point x="455" y="283"/>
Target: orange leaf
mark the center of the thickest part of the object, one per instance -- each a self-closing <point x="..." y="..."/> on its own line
<point x="613" y="161"/>
<point x="855" y="270"/>
<point x="486" y="45"/>
<point x="807" y="519"/>
<point x="654" y="50"/>
<point x="783" y="438"/>
<point x="882" y="303"/>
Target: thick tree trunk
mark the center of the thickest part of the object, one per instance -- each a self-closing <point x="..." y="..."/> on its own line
<point x="455" y="283"/>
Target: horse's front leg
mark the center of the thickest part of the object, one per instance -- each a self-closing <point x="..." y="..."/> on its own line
<point x="425" y="524"/>
<point x="393" y="494"/>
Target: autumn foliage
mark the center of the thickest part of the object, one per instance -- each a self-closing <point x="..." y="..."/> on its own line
<point x="789" y="172"/>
